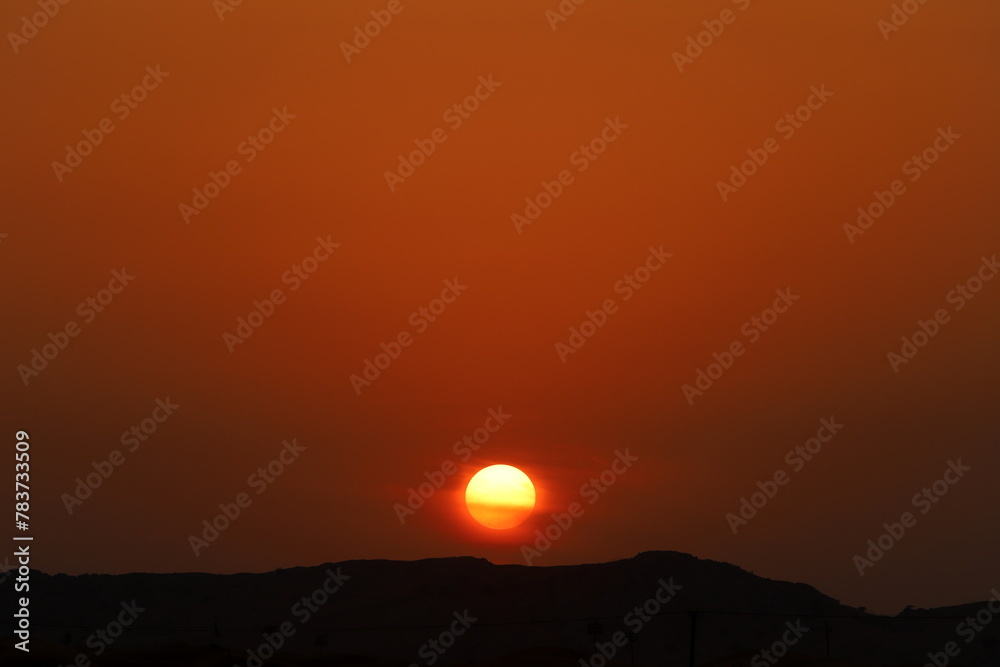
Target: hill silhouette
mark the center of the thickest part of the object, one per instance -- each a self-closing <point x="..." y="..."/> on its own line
<point x="650" y="609"/>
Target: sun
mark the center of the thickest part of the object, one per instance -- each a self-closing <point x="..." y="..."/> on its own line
<point x="500" y="496"/>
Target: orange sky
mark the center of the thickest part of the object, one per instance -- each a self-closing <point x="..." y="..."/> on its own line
<point x="320" y="190"/>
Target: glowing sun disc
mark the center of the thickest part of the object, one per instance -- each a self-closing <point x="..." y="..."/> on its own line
<point x="500" y="496"/>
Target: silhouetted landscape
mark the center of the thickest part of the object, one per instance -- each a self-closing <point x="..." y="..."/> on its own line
<point x="385" y="612"/>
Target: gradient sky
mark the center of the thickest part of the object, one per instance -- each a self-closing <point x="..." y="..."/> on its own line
<point x="655" y="185"/>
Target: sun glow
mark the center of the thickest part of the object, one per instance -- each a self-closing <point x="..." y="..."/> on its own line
<point x="500" y="496"/>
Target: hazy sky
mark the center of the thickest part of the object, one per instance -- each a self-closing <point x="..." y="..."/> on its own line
<point x="292" y="121"/>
